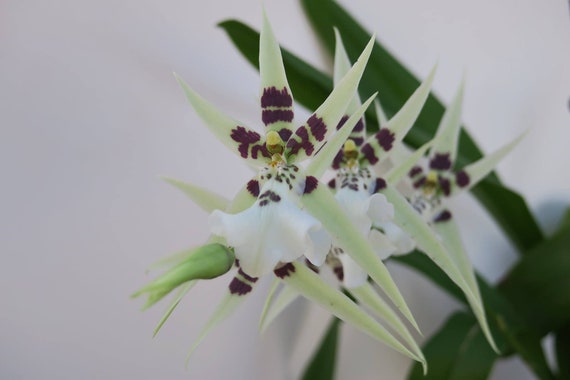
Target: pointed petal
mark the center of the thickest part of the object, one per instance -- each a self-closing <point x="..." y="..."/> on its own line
<point x="366" y="295"/>
<point x="207" y="200"/>
<point x="241" y="140"/>
<point x="276" y="305"/>
<point x="380" y="114"/>
<point x="447" y="134"/>
<point x="312" y="287"/>
<point x="184" y="289"/>
<point x="309" y="138"/>
<point x="276" y="99"/>
<point x="239" y="289"/>
<point x="378" y="145"/>
<point x="321" y="203"/>
<point x="412" y="223"/>
<point x="470" y="175"/>
<point x="341" y="67"/>
<point x="323" y="160"/>
<point x="397" y="173"/>
<point x="449" y="233"/>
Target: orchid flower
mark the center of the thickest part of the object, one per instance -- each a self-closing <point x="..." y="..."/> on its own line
<point x="284" y="212"/>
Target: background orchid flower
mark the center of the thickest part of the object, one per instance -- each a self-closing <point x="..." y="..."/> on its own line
<point x="280" y="214"/>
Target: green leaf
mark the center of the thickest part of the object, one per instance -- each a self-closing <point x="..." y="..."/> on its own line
<point x="395" y="84"/>
<point x="322" y="364"/>
<point x="539" y="284"/>
<point x="562" y="347"/>
<point x="458" y="351"/>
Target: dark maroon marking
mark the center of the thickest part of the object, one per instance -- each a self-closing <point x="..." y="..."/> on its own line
<point x="445" y="185"/>
<point x="332" y="183"/>
<point x="272" y="97"/>
<point x="285" y="133"/>
<point x="244" y="138"/>
<point x="357" y="140"/>
<point x="285" y="270"/>
<point x="420" y="182"/>
<point x="415" y="171"/>
<point x="256" y="149"/>
<point x="339" y="272"/>
<point x="247" y="276"/>
<point x="268" y="197"/>
<point x="318" y="127"/>
<point x="294" y="146"/>
<point x="236" y="262"/>
<point x="462" y="178"/>
<point x="239" y="287"/>
<point x="273" y="116"/>
<point x="385" y="138"/>
<point x="311" y="184"/>
<point x="337" y="160"/>
<point x="341" y="122"/>
<point x="312" y="267"/>
<point x="379" y="184"/>
<point x="359" y="127"/>
<point x="253" y="187"/>
<point x="441" y="161"/>
<point x="368" y="153"/>
<point x="443" y="217"/>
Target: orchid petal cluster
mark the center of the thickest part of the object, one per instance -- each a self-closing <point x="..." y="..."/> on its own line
<point x="288" y="224"/>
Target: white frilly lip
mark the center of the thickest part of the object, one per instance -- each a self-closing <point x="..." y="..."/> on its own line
<point x="363" y="210"/>
<point x="266" y="234"/>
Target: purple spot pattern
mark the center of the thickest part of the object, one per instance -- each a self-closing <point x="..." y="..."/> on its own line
<point x="318" y="127"/>
<point x="245" y="139"/>
<point x="272" y="97"/>
<point x="284" y="271"/>
<point x="415" y="171"/>
<point x="368" y="153"/>
<point x="300" y="141"/>
<point x="462" y="178"/>
<point x="339" y="272"/>
<point x="332" y="183"/>
<point x="385" y="138"/>
<point x="440" y="161"/>
<point x="239" y="287"/>
<point x="273" y="116"/>
<point x="311" y="184"/>
<point x="444" y="185"/>
<point x="247" y="276"/>
<point x="253" y="187"/>
<point x="341" y="122"/>
<point x="379" y="184"/>
<point x="443" y="217"/>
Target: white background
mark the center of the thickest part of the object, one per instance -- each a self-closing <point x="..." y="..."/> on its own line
<point x="90" y="116"/>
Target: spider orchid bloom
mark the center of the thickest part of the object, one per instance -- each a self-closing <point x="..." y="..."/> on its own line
<point x="280" y="214"/>
<point x="440" y="182"/>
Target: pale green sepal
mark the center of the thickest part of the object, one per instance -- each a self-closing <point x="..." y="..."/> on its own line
<point x="312" y="287"/>
<point x="380" y="114"/>
<point x="271" y="68"/>
<point x="409" y="220"/>
<point x="205" y="262"/>
<point x="171" y="260"/>
<point x="323" y="160"/>
<point x="226" y="307"/>
<point x="479" y="169"/>
<point x="323" y="206"/>
<point x="269" y="301"/>
<point x="241" y="201"/>
<point x="341" y="67"/>
<point x="184" y="289"/>
<point x="219" y="124"/>
<point x="367" y="296"/>
<point x="447" y="134"/>
<point x="405" y="118"/>
<point x="449" y="233"/>
<point x="333" y="108"/>
<point x="207" y="200"/>
<point x="279" y="303"/>
<point x="395" y="174"/>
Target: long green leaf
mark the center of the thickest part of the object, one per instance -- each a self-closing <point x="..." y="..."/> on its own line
<point x="322" y="364"/>
<point x="562" y="347"/>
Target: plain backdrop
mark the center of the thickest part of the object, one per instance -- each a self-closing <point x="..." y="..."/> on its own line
<point x="91" y="116"/>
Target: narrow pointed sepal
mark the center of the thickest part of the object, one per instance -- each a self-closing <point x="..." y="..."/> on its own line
<point x="205" y="199"/>
<point x="184" y="289"/>
<point x="241" y="140"/>
<point x="380" y="114"/>
<point x="312" y="287"/>
<point x="240" y="287"/>
<point x="322" y="204"/>
<point x="470" y="175"/>
<point x="276" y="97"/>
<point x="397" y="173"/>
<point x="377" y="146"/>
<point x="449" y="234"/>
<point x="323" y="160"/>
<point x="447" y="135"/>
<point x="275" y="304"/>
<point x="341" y="67"/>
<point x="367" y="296"/>
<point x="311" y="136"/>
<point x="409" y="220"/>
